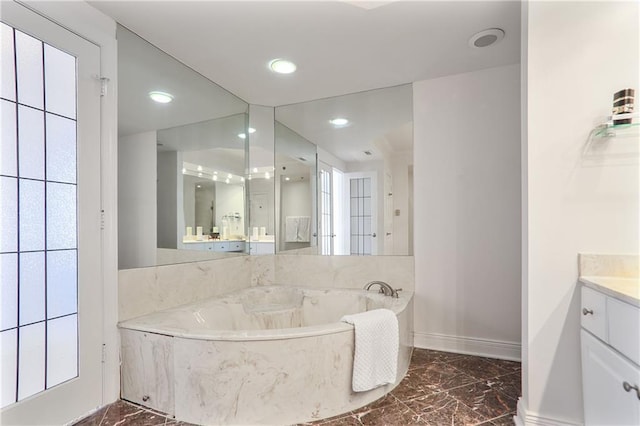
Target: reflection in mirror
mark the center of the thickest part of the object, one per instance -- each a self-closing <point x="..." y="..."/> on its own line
<point x="295" y="187"/>
<point x="260" y="181"/>
<point x="365" y="181"/>
<point x="181" y="163"/>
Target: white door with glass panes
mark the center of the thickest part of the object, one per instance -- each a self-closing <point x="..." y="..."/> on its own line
<point x="50" y="237"/>
<point x="325" y="226"/>
<point x="362" y="201"/>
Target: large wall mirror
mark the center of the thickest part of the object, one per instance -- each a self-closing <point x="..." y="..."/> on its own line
<point x="364" y="174"/>
<point x="182" y="161"/>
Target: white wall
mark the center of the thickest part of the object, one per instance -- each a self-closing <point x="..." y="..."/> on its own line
<point x="400" y="171"/>
<point x="467" y="204"/>
<point x="295" y="200"/>
<point x="167" y="193"/>
<point x="580" y="197"/>
<point x="137" y="208"/>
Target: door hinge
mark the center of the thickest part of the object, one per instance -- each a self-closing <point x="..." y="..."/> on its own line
<point x="104" y="85"/>
<point x="104" y="353"/>
<point x="102" y="220"/>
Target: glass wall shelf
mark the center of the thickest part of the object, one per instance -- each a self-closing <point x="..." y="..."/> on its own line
<point x="609" y="129"/>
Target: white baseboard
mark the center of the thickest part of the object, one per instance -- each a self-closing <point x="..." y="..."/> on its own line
<point x="468" y="345"/>
<point x="527" y="418"/>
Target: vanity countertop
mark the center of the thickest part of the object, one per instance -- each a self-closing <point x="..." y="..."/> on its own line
<point x="617" y="275"/>
<point x="210" y="241"/>
<point x="625" y="289"/>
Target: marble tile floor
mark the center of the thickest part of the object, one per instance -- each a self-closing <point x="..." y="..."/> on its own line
<point x="440" y="388"/>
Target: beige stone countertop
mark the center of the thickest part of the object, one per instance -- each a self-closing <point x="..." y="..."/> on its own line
<point x="624" y="289"/>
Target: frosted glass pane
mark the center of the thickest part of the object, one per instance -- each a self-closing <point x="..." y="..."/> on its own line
<point x="62" y="350"/>
<point x="8" y="214"/>
<point x="7" y="64"/>
<point x="366" y="187"/>
<point x="354" y="207"/>
<point x="32" y="297"/>
<point x="61" y="216"/>
<point x="9" y="368"/>
<point x="31" y="142"/>
<point x="61" y="149"/>
<point x="62" y="270"/>
<point x="366" y="211"/>
<point x="31" y="215"/>
<point x="360" y="206"/>
<point x="8" y="142"/>
<point x="31" y="366"/>
<point x="354" y="225"/>
<point x="354" y="245"/>
<point x="354" y="188"/>
<point x="367" y="245"/>
<point x="367" y="226"/>
<point x="60" y="81"/>
<point x="360" y="187"/>
<point x="29" y="68"/>
<point x="9" y="290"/>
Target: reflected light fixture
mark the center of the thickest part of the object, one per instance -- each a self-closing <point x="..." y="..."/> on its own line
<point x="227" y="181"/>
<point x="229" y="175"/>
<point x="267" y="175"/>
<point x="161" y="97"/>
<point x="282" y="66"/>
<point x="255" y="170"/>
<point x="199" y="174"/>
<point x="287" y="178"/>
<point x="339" y="121"/>
<point x="215" y="177"/>
<point x="199" y="168"/>
<point x="184" y="170"/>
<point x="242" y="136"/>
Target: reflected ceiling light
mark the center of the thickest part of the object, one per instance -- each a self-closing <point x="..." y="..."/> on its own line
<point x="339" y="121"/>
<point x="282" y="66"/>
<point x="249" y="177"/>
<point x="241" y="179"/>
<point x="227" y="181"/>
<point x="199" y="174"/>
<point x="184" y="170"/>
<point x="242" y="136"/>
<point x="215" y="177"/>
<point x="486" y="38"/>
<point x="255" y="170"/>
<point x="267" y="175"/>
<point x="161" y="97"/>
<point x="199" y="186"/>
<point x="199" y="168"/>
<point x="252" y="130"/>
<point x="229" y="175"/>
<point x="287" y="178"/>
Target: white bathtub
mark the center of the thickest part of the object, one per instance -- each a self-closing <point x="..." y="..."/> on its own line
<point x="264" y="355"/>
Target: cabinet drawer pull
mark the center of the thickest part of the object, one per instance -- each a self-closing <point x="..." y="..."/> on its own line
<point x="627" y="387"/>
<point x="586" y="311"/>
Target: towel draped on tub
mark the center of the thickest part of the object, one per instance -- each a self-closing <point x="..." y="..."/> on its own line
<point x="375" y="362"/>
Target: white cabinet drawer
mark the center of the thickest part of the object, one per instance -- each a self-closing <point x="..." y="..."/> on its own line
<point x="604" y="374"/>
<point x="624" y="328"/>
<point x="593" y="312"/>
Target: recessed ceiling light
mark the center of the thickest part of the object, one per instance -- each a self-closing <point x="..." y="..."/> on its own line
<point x="199" y="186"/>
<point x="339" y="121"/>
<point x="184" y="170"/>
<point x="229" y="175"/>
<point x="252" y="130"/>
<point x="486" y="38"/>
<point x="199" y="174"/>
<point x="227" y="181"/>
<point x="199" y="168"/>
<point x="287" y="178"/>
<point x="215" y="177"/>
<point x="242" y="179"/>
<point x="282" y="66"/>
<point x="161" y="97"/>
<point x="255" y="170"/>
<point x="242" y="136"/>
<point x="267" y="175"/>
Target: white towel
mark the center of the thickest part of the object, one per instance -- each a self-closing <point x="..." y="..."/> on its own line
<point x="375" y="362"/>
<point x="297" y="229"/>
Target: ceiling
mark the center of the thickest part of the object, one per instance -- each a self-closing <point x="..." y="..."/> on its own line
<point x="377" y="119"/>
<point x="339" y="47"/>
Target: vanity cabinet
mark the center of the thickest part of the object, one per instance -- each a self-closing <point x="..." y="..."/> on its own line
<point x="610" y="365"/>
<point x="217" y="246"/>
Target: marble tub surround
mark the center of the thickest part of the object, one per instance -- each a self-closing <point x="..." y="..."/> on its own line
<point x="615" y="275"/>
<point x="256" y="375"/>
<point x="145" y="290"/>
<point x="440" y="388"/>
<point x="344" y="271"/>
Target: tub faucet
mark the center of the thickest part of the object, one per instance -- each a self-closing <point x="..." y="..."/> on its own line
<point x="384" y="288"/>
